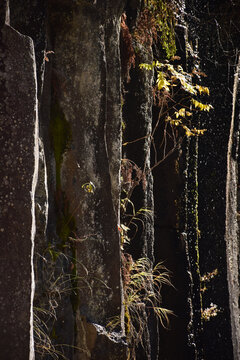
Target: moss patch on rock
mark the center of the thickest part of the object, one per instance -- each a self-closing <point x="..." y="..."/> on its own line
<point x="60" y="132"/>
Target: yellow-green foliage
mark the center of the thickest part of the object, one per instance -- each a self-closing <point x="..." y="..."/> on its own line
<point x="170" y="76"/>
<point x="163" y="15"/>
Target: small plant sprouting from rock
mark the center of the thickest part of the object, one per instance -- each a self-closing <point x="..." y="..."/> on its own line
<point x="142" y="283"/>
<point x="89" y="187"/>
<point x="43" y="342"/>
<point x="142" y="280"/>
<point x="56" y="280"/>
<point x="206" y="278"/>
<point x="210" y="312"/>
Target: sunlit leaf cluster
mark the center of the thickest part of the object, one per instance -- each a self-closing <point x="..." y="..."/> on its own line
<point x="168" y="77"/>
<point x="210" y="312"/>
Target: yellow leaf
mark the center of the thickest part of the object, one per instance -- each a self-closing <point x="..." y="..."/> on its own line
<point x="182" y="112"/>
<point x="162" y="82"/>
<point x="201" y="106"/>
<point x="188" y="131"/>
<point x="198" y="131"/>
<point x="188" y="87"/>
<point x="202" y="89"/>
<point x="146" y="66"/>
<point x="175" y="122"/>
<point x="158" y="64"/>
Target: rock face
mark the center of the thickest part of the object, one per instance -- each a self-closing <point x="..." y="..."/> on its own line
<point x="19" y="166"/>
<point x="71" y="70"/>
<point x="218" y="178"/>
<point x="85" y="126"/>
<point x="231" y="235"/>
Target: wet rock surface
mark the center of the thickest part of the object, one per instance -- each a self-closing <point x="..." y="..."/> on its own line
<point x="67" y="64"/>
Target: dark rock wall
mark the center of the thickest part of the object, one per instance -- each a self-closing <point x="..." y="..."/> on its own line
<point x="19" y="167"/>
<point x="213" y="32"/>
<point x="66" y="90"/>
<point x="87" y="112"/>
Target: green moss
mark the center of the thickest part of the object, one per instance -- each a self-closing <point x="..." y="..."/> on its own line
<point x="65" y="220"/>
<point x="60" y="133"/>
<point x="164" y="20"/>
<point x="193" y="227"/>
<point x="64" y="228"/>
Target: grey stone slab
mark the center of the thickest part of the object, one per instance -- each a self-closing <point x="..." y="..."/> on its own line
<point x="18" y="174"/>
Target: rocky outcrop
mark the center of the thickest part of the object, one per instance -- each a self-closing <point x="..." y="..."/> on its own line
<point x="86" y="137"/>
<point x="71" y="69"/>
<point x="19" y="167"/>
